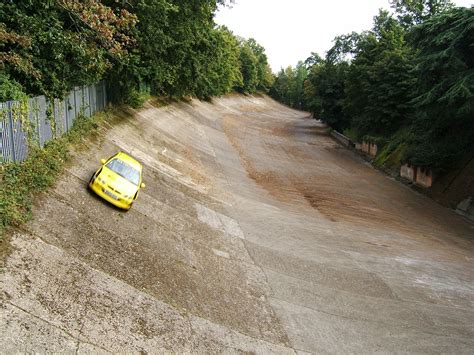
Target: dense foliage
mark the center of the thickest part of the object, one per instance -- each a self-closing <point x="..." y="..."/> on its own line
<point x="289" y="85"/>
<point x="166" y="47"/>
<point x="443" y="126"/>
<point x="408" y="83"/>
<point x="20" y="181"/>
<point x="50" y="46"/>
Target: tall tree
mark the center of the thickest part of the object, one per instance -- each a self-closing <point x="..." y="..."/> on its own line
<point x="147" y="60"/>
<point x="220" y="65"/>
<point x="380" y="80"/>
<point x="326" y="81"/>
<point x="263" y="69"/>
<point x="412" y="12"/>
<point x="170" y="47"/>
<point x="443" y="127"/>
<point x="249" y="68"/>
<point x="326" y="84"/>
<point x="50" y="46"/>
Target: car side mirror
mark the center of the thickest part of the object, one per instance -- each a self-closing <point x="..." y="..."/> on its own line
<point x="142" y="185"/>
<point x="102" y="161"/>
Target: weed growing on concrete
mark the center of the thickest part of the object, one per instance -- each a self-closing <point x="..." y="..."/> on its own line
<point x="19" y="182"/>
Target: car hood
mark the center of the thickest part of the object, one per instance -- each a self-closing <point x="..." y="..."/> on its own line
<point x="118" y="183"/>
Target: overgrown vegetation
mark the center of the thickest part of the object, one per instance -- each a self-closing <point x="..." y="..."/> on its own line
<point x="19" y="182"/>
<point x="408" y="84"/>
<point x="167" y="48"/>
<point x="173" y="47"/>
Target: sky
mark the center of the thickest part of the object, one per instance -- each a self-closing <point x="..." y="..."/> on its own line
<point x="291" y="29"/>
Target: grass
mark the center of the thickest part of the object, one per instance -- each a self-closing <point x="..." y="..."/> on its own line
<point x="136" y="98"/>
<point x="351" y="134"/>
<point x="390" y="151"/>
<point x="391" y="154"/>
<point x="20" y="182"/>
<point x="391" y="159"/>
<point x="159" y="102"/>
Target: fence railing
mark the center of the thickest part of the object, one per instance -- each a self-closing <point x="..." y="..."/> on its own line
<point x="342" y="138"/>
<point x="45" y="119"/>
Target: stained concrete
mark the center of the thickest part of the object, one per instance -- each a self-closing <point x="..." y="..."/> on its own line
<point x="256" y="232"/>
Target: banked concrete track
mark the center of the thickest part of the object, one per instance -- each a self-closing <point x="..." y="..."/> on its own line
<point x="256" y="232"/>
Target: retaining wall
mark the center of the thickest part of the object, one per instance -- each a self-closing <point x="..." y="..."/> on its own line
<point x="420" y="176"/>
<point x="424" y="177"/>
<point x="342" y="138"/>
<point x="368" y="148"/>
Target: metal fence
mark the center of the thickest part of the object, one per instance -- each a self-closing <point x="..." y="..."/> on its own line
<point x="46" y="119"/>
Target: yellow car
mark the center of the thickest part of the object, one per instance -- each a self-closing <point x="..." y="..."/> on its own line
<point x="118" y="181"/>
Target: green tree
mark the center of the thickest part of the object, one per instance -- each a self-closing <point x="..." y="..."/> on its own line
<point x="325" y="92"/>
<point x="324" y="89"/>
<point x="50" y="46"/>
<point x="301" y="74"/>
<point x="264" y="76"/>
<point x="170" y="47"/>
<point x="227" y="61"/>
<point x="279" y="89"/>
<point x="10" y="89"/>
<point x="289" y="85"/>
<point x="380" y="80"/>
<point x="249" y="68"/>
<point x="412" y="12"/>
<point x="147" y="58"/>
<point x="220" y="65"/>
<point x="179" y="51"/>
<point x="443" y="126"/>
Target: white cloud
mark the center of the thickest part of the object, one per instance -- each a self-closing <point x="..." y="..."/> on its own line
<point x="291" y="29"/>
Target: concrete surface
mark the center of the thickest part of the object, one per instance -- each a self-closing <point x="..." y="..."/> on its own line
<point x="256" y="233"/>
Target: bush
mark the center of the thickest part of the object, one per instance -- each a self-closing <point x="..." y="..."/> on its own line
<point x="10" y="89"/>
<point x="137" y="98"/>
<point x="352" y="134"/>
<point x="19" y="182"/>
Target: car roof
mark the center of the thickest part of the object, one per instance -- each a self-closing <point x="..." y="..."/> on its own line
<point x="127" y="158"/>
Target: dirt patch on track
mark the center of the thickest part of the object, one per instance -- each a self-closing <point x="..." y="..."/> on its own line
<point x="300" y="152"/>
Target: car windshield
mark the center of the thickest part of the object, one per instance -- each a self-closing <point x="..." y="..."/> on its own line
<point x="124" y="170"/>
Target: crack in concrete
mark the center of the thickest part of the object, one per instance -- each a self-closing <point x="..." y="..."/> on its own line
<point x="289" y="344"/>
<point x="183" y="312"/>
<point x="202" y="244"/>
<point x="406" y="326"/>
<point x="72" y="336"/>
<point x="83" y="316"/>
<point x="399" y="300"/>
<point x="133" y="211"/>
